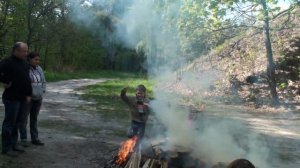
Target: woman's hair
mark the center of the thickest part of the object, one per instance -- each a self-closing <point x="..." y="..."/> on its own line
<point x="32" y="55"/>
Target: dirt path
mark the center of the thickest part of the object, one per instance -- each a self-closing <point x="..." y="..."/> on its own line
<point x="74" y="137"/>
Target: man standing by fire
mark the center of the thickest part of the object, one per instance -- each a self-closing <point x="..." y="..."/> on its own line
<point x="14" y="73"/>
<point x="139" y="111"/>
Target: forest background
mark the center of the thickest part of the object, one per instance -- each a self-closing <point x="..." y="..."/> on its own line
<point x="254" y="45"/>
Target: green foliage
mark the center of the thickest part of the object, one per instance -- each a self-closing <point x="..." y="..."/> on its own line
<point x="113" y="87"/>
<point x="63" y="44"/>
<point x="205" y="25"/>
<point x="106" y="95"/>
<point x="283" y="85"/>
<point x="52" y="76"/>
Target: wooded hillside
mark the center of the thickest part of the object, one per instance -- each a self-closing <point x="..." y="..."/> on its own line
<point x="242" y="64"/>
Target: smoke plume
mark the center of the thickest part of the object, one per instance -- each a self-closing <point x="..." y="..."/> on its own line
<point x="152" y="26"/>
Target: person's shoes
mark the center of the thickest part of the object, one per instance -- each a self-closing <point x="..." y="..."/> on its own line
<point x="24" y="144"/>
<point x="18" y="149"/>
<point x="37" y="142"/>
<point x="10" y="153"/>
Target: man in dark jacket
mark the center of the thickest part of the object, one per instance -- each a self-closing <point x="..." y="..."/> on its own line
<point x="14" y="73"/>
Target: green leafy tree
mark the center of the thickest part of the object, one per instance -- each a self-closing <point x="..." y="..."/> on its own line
<point x="4" y="23"/>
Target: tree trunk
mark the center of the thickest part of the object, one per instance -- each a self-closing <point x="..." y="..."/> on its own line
<point x="271" y="64"/>
<point x="29" y="28"/>
<point x="46" y="55"/>
<point x="62" y="40"/>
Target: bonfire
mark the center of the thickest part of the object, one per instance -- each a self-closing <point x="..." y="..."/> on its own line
<point x="126" y="149"/>
<point x="131" y="155"/>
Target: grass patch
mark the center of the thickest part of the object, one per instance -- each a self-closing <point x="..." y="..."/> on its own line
<point x="109" y="107"/>
<point x="57" y="76"/>
<point x="106" y="96"/>
<point x="113" y="88"/>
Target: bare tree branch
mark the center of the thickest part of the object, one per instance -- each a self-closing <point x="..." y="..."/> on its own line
<point x="282" y="13"/>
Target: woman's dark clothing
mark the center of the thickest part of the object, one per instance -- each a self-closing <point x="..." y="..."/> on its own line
<point x="38" y="84"/>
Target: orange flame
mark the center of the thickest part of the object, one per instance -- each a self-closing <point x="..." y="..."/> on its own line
<point x="125" y="149"/>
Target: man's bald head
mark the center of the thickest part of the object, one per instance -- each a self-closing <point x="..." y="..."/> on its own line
<point x="20" y="50"/>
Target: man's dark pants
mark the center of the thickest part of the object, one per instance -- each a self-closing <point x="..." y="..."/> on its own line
<point x="13" y="115"/>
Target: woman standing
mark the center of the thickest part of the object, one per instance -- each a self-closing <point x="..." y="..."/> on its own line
<point x="38" y="84"/>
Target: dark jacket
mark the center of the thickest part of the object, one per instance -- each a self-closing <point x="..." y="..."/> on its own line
<point x="15" y="71"/>
<point x="133" y="105"/>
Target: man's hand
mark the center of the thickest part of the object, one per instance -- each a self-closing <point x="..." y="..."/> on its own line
<point x="28" y="99"/>
<point x="7" y="85"/>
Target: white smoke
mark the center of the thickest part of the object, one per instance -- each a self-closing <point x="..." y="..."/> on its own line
<point x="218" y="140"/>
<point x="223" y="140"/>
<point x="144" y="23"/>
<point x="80" y="13"/>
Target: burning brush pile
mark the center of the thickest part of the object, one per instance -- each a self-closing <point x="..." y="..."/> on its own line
<point x="132" y="155"/>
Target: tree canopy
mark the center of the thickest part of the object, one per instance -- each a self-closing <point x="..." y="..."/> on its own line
<point x="82" y="35"/>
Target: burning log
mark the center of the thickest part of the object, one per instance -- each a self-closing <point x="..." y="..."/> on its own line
<point x="164" y="164"/>
<point x="147" y="164"/>
<point x="134" y="161"/>
<point x="126" y="148"/>
<point x="121" y="159"/>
